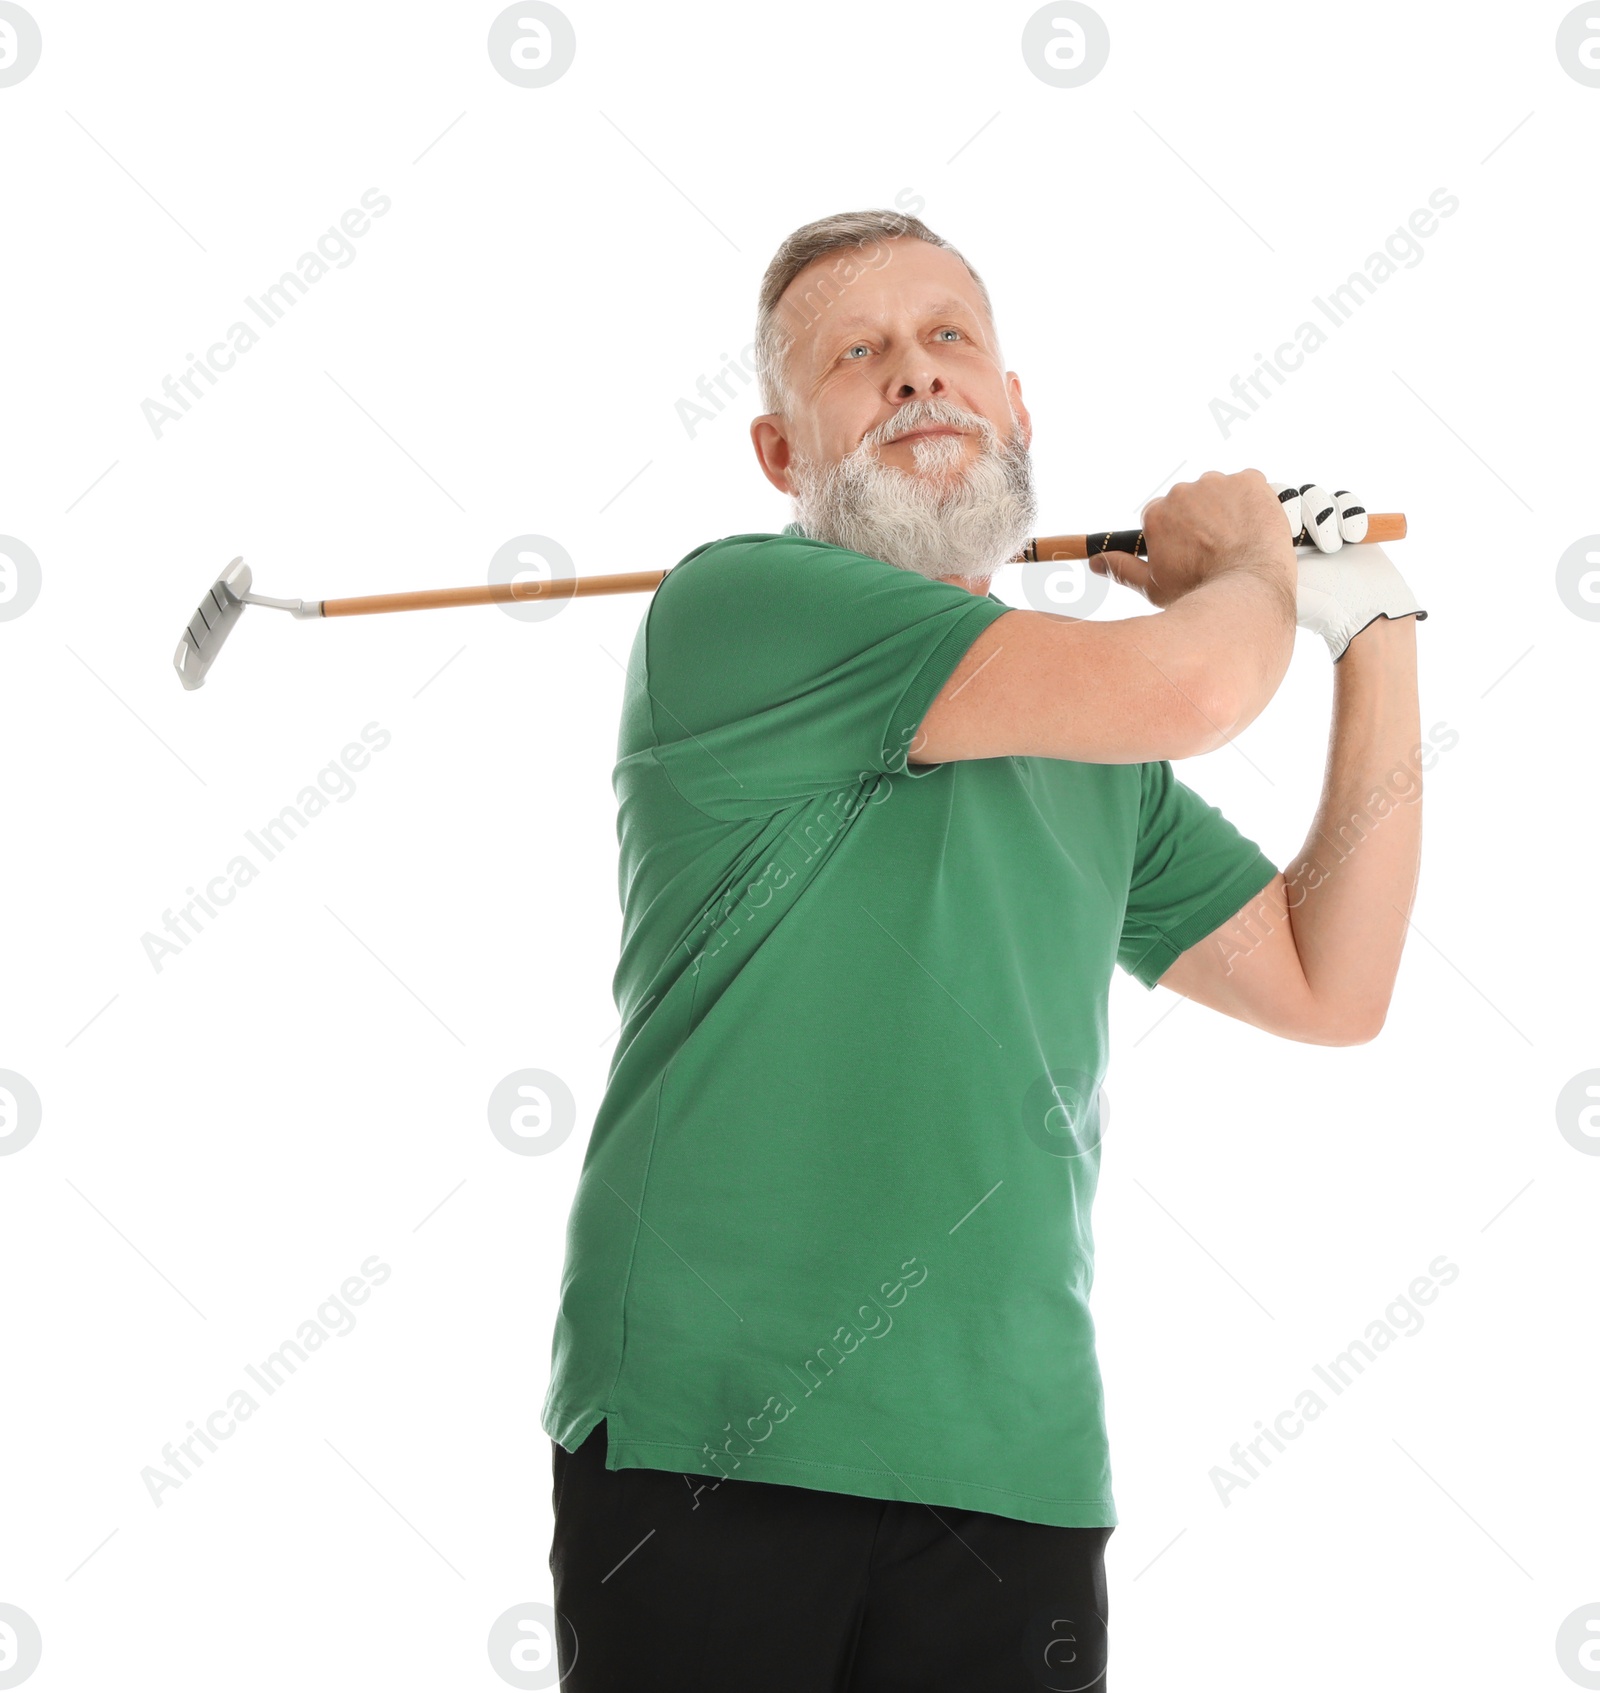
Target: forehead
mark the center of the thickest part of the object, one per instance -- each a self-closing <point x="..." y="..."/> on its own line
<point x="858" y="288"/>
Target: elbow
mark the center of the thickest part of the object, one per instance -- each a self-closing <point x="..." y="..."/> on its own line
<point x="1211" y="709"/>
<point x="1347" y="1026"/>
<point x="1222" y="699"/>
<point x="1355" y="1034"/>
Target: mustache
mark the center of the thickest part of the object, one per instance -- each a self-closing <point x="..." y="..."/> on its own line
<point x="927" y="414"/>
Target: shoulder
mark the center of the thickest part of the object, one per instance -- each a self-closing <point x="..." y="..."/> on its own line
<point x="736" y="558"/>
<point x="752" y="581"/>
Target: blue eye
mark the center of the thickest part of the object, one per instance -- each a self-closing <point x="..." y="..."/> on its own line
<point x="862" y="347"/>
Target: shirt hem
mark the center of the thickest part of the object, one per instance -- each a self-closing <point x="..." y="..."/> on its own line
<point x="572" y="1430"/>
<point x="1222" y="905"/>
<point x="913" y="1488"/>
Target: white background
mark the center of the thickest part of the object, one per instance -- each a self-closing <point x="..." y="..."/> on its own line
<point x="226" y="1139"/>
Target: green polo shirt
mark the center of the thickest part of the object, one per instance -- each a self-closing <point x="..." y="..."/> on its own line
<point x="833" y="1224"/>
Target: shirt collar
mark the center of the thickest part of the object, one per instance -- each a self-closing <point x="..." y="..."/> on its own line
<point x="794" y="529"/>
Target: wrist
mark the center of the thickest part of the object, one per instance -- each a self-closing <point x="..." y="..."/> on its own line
<point x="1384" y="641"/>
<point x="1274" y="566"/>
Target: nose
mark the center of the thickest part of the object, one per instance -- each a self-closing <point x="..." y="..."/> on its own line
<point x="920" y="385"/>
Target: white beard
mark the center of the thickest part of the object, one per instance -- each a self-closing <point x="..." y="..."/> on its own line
<point x="929" y="520"/>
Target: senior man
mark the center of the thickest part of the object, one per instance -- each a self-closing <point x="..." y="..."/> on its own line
<point x="824" y="1407"/>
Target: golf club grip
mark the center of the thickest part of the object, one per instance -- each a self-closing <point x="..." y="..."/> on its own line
<point x="1381" y="526"/>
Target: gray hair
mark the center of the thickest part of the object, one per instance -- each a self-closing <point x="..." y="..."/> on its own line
<point x="807" y="244"/>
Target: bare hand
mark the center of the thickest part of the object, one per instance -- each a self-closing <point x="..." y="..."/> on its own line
<point x="1197" y="530"/>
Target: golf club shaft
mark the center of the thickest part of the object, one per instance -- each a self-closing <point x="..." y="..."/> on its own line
<point x="497" y="593"/>
<point x="1381" y="526"/>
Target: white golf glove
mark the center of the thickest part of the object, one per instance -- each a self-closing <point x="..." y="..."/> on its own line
<point x="1344" y="585"/>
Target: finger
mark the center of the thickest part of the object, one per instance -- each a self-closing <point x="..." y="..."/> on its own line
<point x="1352" y="515"/>
<point x="1289" y="499"/>
<point x="1126" y="568"/>
<point x="1321" y="517"/>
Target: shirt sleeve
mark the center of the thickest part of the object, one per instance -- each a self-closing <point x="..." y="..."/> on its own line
<point x="779" y="668"/>
<point x="1192" y="870"/>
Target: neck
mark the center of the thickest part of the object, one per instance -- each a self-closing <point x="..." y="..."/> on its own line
<point x="978" y="585"/>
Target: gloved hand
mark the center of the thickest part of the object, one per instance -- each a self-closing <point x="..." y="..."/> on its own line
<point x="1329" y="520"/>
<point x="1343" y="586"/>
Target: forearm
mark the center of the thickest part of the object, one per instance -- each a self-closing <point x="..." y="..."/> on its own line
<point x="1350" y="889"/>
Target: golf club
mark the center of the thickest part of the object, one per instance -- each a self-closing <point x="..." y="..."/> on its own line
<point x="225" y="600"/>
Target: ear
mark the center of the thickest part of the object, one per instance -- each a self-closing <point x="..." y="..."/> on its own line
<point x="769" y="437"/>
<point x="1024" y="418"/>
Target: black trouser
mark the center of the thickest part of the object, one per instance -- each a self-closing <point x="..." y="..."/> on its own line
<point x="666" y="1581"/>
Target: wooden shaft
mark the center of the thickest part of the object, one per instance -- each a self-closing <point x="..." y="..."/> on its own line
<point x="1381" y="526"/>
<point x="498" y="593"/>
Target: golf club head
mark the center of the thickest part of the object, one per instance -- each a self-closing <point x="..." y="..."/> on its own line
<point x="221" y="608"/>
